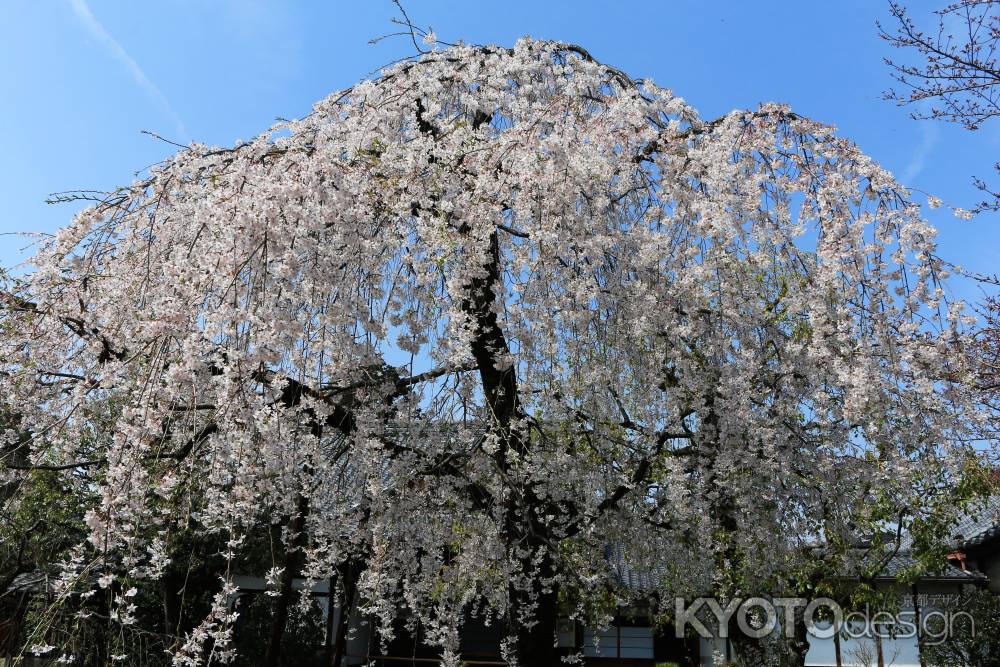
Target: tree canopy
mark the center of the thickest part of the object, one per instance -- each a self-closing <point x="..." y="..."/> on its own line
<point x="465" y="325"/>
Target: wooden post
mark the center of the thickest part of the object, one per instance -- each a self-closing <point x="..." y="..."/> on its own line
<point x="836" y="644"/>
<point x="916" y="620"/>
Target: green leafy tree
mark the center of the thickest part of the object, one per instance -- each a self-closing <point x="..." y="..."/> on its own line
<point x="969" y="633"/>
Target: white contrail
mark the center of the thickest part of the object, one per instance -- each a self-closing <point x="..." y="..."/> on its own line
<point x="929" y="133"/>
<point x="97" y="30"/>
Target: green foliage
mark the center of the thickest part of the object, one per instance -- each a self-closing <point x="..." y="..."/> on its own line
<point x="40" y="519"/>
<point x="970" y="632"/>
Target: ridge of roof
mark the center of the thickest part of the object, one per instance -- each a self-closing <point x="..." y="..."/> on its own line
<point x="980" y="525"/>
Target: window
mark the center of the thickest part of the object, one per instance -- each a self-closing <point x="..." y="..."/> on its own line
<point x="618" y="642"/>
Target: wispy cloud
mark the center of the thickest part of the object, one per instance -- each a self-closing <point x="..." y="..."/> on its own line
<point x="930" y="133"/>
<point x="98" y="31"/>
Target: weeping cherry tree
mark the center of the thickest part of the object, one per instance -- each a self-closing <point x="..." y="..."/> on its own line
<point x="464" y="326"/>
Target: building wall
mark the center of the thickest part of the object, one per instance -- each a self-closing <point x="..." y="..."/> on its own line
<point x="988" y="562"/>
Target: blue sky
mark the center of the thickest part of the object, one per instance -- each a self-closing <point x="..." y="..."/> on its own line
<point x="80" y="79"/>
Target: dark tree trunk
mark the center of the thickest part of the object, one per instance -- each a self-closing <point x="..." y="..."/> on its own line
<point x="293" y="561"/>
<point x="329" y="654"/>
<point x="521" y="526"/>
<point x="170" y="587"/>
<point x="342" y="420"/>
<point x="746" y="651"/>
<point x="798" y="646"/>
<point x="791" y="651"/>
<point x="347" y="590"/>
<point x="536" y="646"/>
